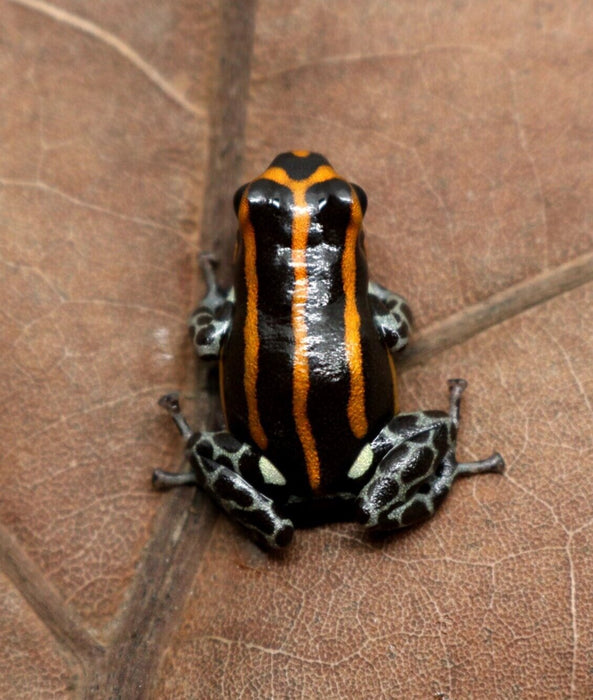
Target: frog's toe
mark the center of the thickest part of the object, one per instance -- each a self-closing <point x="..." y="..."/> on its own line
<point x="363" y="512"/>
<point x="494" y="464"/>
<point x="284" y="535"/>
<point x="162" y="480"/>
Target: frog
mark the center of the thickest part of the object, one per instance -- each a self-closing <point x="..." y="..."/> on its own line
<point x="305" y="344"/>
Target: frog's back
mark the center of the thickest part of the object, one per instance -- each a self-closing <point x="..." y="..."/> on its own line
<point x="305" y="376"/>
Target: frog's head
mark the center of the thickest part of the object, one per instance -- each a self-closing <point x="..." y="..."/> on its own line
<point x="300" y="200"/>
<point x="300" y="225"/>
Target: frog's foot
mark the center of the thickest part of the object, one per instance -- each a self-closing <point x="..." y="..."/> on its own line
<point x="170" y="402"/>
<point x="494" y="463"/>
<point x="414" y="475"/>
<point x="161" y="479"/>
<point x="456" y="389"/>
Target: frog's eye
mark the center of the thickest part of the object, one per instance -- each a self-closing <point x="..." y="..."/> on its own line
<point x="238" y="196"/>
<point x="362" y="197"/>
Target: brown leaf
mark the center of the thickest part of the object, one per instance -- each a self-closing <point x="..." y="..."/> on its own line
<point x="125" y="128"/>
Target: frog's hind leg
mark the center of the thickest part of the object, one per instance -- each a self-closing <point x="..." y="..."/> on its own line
<point x="219" y="461"/>
<point x="221" y="465"/>
<point x="416" y="467"/>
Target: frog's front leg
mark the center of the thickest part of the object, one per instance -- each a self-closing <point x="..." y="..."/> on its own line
<point x="392" y="316"/>
<point x="415" y="466"/>
<point x="227" y="470"/>
<point x="210" y="323"/>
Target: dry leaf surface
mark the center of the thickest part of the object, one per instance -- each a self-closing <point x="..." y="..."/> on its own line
<point x="124" y="129"/>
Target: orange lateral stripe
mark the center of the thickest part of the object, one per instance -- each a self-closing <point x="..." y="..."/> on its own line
<point x="356" y="404"/>
<point x="251" y="331"/>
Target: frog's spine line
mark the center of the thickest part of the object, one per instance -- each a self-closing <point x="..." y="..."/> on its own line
<point x="300" y="377"/>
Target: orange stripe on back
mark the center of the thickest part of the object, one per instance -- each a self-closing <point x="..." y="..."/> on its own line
<point x="300" y="377"/>
<point x="251" y="331"/>
<point x="356" y="401"/>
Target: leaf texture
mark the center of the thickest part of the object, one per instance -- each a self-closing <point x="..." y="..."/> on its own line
<point x="125" y="128"/>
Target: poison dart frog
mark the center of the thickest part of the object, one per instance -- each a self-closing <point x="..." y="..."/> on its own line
<point x="305" y="346"/>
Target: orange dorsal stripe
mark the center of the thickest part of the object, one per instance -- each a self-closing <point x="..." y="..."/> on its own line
<point x="300" y="376"/>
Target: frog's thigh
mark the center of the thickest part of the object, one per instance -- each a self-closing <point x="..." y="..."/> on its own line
<point x="222" y="465"/>
<point x="412" y="479"/>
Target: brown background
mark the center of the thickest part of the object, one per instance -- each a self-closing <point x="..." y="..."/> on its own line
<point x="125" y="127"/>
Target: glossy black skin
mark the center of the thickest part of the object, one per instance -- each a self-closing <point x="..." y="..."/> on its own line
<point x="271" y="207"/>
<point x="395" y="474"/>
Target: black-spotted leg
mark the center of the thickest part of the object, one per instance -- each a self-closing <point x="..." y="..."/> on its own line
<point x="415" y="466"/>
<point x="221" y="466"/>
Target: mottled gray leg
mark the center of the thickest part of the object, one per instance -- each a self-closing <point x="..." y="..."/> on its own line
<point x="210" y="323"/>
<point x="392" y="316"/>
<point x="413" y="478"/>
<point x="219" y="462"/>
<point x="242" y="501"/>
